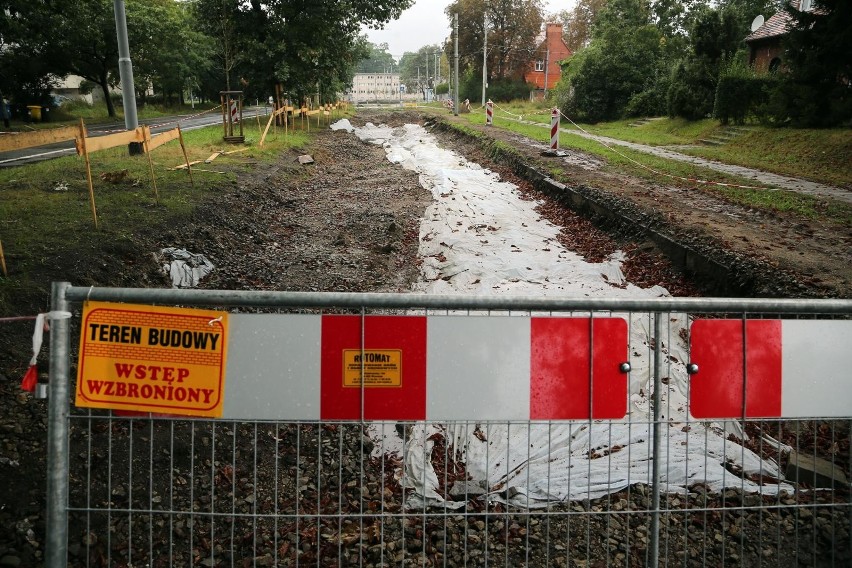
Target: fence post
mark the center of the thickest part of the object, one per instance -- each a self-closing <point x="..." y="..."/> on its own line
<point x="654" y="535"/>
<point x="56" y="545"/>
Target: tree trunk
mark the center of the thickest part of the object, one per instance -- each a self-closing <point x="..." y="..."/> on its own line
<point x="110" y="107"/>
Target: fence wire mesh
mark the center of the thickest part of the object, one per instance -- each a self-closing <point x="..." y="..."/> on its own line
<point x="171" y="491"/>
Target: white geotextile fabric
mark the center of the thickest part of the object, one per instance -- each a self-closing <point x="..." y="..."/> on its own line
<point x="480" y="236"/>
<point x="185" y="269"/>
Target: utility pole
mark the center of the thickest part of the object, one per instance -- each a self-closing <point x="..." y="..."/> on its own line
<point x="484" y="52"/>
<point x="546" y="65"/>
<point x="437" y="68"/>
<point x="456" y="64"/>
<point x="125" y="71"/>
<point x="426" y="90"/>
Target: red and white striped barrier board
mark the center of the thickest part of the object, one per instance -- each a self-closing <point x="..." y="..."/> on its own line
<point x="489" y="113"/>
<point x="234" y="116"/>
<point x="554" y="129"/>
<point x="310" y="367"/>
<point x="771" y="368"/>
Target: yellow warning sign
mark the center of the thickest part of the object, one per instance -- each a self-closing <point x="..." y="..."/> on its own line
<point x="380" y="367"/>
<point x="152" y="359"/>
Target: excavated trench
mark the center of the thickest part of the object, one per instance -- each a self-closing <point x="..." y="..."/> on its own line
<point x="713" y="268"/>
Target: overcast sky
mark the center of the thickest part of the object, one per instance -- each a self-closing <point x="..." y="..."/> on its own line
<point x="425" y="23"/>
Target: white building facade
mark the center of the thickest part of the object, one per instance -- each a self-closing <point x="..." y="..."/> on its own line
<point x="376" y="87"/>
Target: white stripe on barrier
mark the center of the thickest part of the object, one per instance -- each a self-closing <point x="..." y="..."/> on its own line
<point x="273" y="367"/>
<point x="478" y="367"/>
<point x="816" y="377"/>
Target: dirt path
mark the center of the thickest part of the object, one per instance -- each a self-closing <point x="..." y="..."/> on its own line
<point x="760" y="177"/>
<point x="780" y="254"/>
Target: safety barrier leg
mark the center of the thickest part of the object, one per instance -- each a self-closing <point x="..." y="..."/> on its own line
<point x="56" y="546"/>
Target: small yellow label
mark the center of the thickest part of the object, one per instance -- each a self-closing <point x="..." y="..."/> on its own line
<point x="380" y="368"/>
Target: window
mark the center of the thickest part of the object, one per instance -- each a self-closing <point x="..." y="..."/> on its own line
<point x="539" y="65"/>
<point x="774" y="65"/>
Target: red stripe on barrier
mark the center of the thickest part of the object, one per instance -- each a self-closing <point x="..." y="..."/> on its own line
<point x="564" y="376"/>
<point x="727" y="366"/>
<point x="394" y="358"/>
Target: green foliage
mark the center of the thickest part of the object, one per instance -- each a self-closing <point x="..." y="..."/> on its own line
<point x="714" y="35"/>
<point x="740" y="92"/>
<point x="692" y="89"/>
<point x="505" y="90"/>
<point x="203" y="45"/>
<point x="620" y="63"/>
<point x="412" y="68"/>
<point x="513" y="27"/>
<point x="378" y="60"/>
<point x="815" y="89"/>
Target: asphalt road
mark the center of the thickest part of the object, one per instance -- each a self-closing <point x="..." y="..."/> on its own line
<point x="160" y="124"/>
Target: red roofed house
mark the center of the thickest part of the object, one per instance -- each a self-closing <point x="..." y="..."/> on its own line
<point x="765" y="43"/>
<point x="544" y="70"/>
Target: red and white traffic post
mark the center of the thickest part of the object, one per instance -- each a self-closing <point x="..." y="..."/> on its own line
<point x="554" y="129"/>
<point x="489" y="113"/>
<point x="235" y="117"/>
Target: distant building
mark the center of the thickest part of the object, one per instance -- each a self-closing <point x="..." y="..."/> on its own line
<point x="68" y="87"/>
<point x="765" y="44"/>
<point x="544" y="70"/>
<point x="375" y="87"/>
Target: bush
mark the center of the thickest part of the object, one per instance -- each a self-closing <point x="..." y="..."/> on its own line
<point x="740" y="93"/>
<point x="499" y="90"/>
<point x="692" y="89"/>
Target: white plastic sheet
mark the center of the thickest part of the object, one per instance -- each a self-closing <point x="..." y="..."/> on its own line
<point x="480" y="236"/>
<point x="186" y="269"/>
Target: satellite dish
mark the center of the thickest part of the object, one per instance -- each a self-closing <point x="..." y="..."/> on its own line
<point x="756" y="23"/>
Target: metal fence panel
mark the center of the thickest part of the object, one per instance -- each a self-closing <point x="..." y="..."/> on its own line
<point x="658" y="487"/>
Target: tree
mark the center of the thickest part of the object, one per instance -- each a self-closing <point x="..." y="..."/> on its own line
<point x="513" y="26"/>
<point x="412" y="68"/>
<point x="623" y="61"/>
<point x="744" y="11"/>
<point x="379" y="60"/>
<point x="577" y="23"/>
<point x="167" y="53"/>
<point x="306" y="46"/>
<point x="29" y="53"/>
<point x="714" y="39"/>
<point x="815" y="90"/>
<point x="217" y="20"/>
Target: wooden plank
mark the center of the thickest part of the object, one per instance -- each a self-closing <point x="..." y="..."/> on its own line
<point x="184" y="166"/>
<point x="38" y="138"/>
<point x="235" y="151"/>
<point x="265" y="130"/>
<point x="163" y="138"/>
<point x="113" y="140"/>
<point x="212" y="157"/>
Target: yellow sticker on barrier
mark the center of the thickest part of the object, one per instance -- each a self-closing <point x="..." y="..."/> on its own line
<point x="152" y="359"/>
<point x="380" y="367"/>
